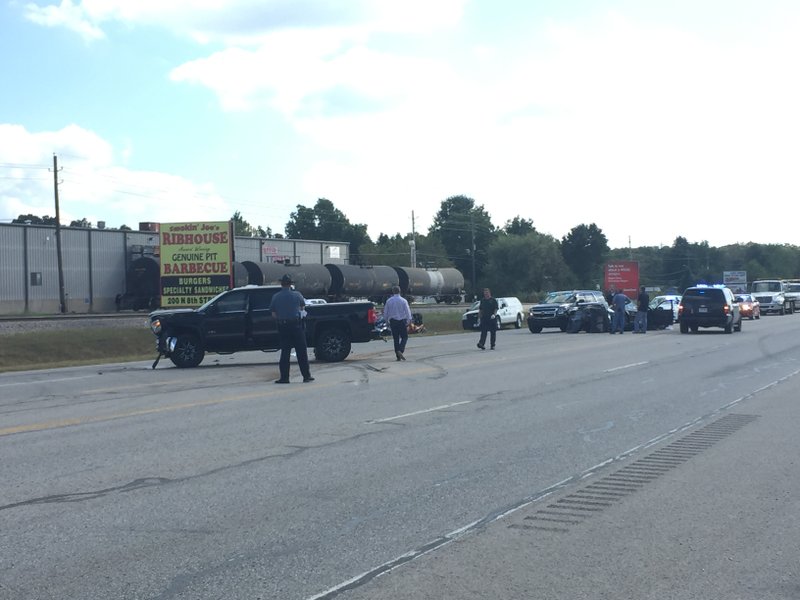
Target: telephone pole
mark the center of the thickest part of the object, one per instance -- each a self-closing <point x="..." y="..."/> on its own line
<point x="472" y="252"/>
<point x="62" y="298"/>
<point x="413" y="242"/>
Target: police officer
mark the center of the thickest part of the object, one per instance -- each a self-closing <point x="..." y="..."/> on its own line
<point x="286" y="307"/>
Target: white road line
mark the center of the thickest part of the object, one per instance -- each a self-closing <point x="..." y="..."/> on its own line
<point x="421" y="412"/>
<point x="639" y="364"/>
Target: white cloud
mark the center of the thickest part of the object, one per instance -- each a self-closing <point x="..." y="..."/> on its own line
<point x="91" y="184"/>
<point x="68" y="15"/>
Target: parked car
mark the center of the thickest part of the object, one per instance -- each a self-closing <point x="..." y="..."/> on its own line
<point x="509" y="312"/>
<point x="749" y="306"/>
<point x="709" y="306"/>
<point x="557" y="307"/>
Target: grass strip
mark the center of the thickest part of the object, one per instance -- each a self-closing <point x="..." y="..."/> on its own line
<point x="86" y="346"/>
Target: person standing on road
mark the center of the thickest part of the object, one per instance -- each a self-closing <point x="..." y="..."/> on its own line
<point x="618" y="304"/>
<point x="286" y="307"/>
<point x="640" y="322"/>
<point x="397" y="313"/>
<point x="487" y="312"/>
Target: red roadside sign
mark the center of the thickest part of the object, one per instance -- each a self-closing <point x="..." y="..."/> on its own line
<point x="623" y="275"/>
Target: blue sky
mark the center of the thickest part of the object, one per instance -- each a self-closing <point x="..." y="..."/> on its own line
<point x="622" y="113"/>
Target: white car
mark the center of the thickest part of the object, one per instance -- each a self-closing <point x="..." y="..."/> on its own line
<point x="316" y="301"/>
<point x="509" y="312"/>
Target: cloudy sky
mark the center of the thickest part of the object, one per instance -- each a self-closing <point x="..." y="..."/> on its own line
<point x="651" y="119"/>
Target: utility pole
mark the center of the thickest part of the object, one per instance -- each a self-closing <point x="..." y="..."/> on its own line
<point x="62" y="297"/>
<point x="413" y="242"/>
<point x="472" y="252"/>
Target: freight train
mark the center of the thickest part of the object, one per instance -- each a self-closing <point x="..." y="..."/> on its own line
<point x="334" y="283"/>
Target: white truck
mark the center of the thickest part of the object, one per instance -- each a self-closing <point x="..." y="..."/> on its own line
<point x="771" y="296"/>
<point x="791" y="293"/>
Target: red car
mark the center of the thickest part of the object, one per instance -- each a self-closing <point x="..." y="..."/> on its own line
<point x="749" y="307"/>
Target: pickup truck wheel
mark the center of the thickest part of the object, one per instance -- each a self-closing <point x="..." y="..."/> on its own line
<point x="188" y="352"/>
<point x="333" y="345"/>
<point x="534" y="327"/>
<point x="684" y="328"/>
<point x="518" y="323"/>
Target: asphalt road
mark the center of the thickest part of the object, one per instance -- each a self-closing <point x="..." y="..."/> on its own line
<point x="422" y="479"/>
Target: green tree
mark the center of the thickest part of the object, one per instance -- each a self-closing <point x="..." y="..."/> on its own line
<point x="326" y="222"/>
<point x="457" y="224"/>
<point x="519" y="226"/>
<point x="585" y="249"/>
<point x="242" y="228"/>
<point x="526" y="266"/>
<point x="35" y="220"/>
<point x="84" y="222"/>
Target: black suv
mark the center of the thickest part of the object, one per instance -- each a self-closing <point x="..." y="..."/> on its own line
<point x="707" y="306"/>
<point x="558" y="307"/>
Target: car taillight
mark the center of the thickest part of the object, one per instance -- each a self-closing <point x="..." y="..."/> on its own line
<point x="372" y="317"/>
<point x="727" y="309"/>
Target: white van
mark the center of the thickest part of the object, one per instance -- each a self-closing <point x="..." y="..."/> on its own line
<point x="509" y="312"/>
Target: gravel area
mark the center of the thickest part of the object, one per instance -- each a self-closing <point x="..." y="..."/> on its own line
<point x="23" y="325"/>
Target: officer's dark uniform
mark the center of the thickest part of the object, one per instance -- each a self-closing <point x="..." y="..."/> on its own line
<point x="286" y="306"/>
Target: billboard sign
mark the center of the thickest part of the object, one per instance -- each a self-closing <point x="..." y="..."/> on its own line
<point x="196" y="262"/>
<point x="735" y="280"/>
<point x="623" y="275"/>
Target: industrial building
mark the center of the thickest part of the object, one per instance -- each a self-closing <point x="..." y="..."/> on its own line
<point x="95" y="264"/>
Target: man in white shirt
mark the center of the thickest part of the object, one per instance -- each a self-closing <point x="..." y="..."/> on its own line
<point x="397" y="313"/>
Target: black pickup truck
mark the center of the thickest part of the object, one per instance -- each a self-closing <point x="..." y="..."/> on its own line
<point x="240" y="319"/>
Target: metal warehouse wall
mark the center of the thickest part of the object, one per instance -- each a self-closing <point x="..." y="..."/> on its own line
<point x="95" y="262"/>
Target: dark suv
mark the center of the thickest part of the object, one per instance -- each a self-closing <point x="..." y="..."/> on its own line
<point x="558" y="307"/>
<point x="709" y="306"/>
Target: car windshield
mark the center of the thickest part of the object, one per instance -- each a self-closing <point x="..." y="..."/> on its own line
<point x="793" y="287"/>
<point x="766" y="286"/>
<point x="559" y="298"/>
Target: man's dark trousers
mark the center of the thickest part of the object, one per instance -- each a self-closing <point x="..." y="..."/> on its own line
<point x="293" y="335"/>
<point x="488" y="326"/>
<point x="399" y="334"/>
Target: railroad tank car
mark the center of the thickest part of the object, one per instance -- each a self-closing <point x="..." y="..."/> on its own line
<point x="240" y="275"/>
<point x="142" y="285"/>
<point x="452" y="289"/>
<point x="385" y="279"/>
<point x="313" y="281"/>
<point x="354" y="281"/>
<point x="414" y="281"/>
